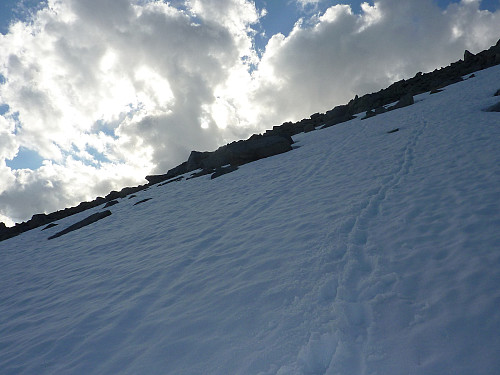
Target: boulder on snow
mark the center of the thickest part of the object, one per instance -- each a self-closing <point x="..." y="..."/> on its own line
<point x="223" y="170"/>
<point x="404" y="101"/>
<point x="497" y="93"/>
<point x="142" y="201"/>
<point x="368" y="114"/>
<point x="111" y="203"/>
<point x="51" y="225"/>
<point x="82" y="223"/>
<point x="435" y="91"/>
<point x="174" y="172"/>
<point x="493" y="108"/>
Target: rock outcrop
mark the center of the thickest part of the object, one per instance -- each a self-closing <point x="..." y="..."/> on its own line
<point x="82" y="223"/>
<point x="234" y="154"/>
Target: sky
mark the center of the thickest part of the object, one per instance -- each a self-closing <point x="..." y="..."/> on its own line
<point x="95" y="95"/>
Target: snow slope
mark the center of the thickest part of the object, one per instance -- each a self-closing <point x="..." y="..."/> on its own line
<point x="359" y="252"/>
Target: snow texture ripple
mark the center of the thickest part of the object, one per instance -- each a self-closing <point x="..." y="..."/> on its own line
<point x="359" y="252"/>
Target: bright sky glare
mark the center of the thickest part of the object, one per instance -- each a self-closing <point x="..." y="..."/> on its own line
<point x="94" y="95"/>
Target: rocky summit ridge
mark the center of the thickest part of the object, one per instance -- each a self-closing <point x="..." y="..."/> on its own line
<point x="278" y="140"/>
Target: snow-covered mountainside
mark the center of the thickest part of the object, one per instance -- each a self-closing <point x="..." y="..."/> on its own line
<point x="358" y="252"/>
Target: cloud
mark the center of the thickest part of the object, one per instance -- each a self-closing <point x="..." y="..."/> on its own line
<point x="108" y="91"/>
<point x="131" y="82"/>
<point x="329" y="58"/>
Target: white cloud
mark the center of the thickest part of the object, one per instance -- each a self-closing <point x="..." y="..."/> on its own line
<point x="308" y="3"/>
<point x="107" y="91"/>
<point x="338" y="54"/>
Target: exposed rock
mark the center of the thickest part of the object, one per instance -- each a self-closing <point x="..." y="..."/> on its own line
<point x="113" y="195"/>
<point x="223" y="170"/>
<point x="369" y="114"/>
<point x="497" y="93"/>
<point x="170" y="181"/>
<point x="339" y="114"/>
<point x="241" y="152"/>
<point x="493" y="108"/>
<point x="203" y="172"/>
<point x="174" y="172"/>
<point x="110" y="203"/>
<point x="83" y="223"/>
<point x="435" y="91"/>
<point x="393" y="131"/>
<point x="51" y="225"/>
<point x="142" y="201"/>
<point x="132" y="196"/>
<point x="195" y="159"/>
<point x="468" y="57"/>
<point x="309" y="128"/>
<point x="404" y="101"/>
<point x="39" y="220"/>
<point x="244" y="152"/>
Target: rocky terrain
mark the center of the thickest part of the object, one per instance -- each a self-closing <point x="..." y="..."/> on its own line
<point x="278" y="140"/>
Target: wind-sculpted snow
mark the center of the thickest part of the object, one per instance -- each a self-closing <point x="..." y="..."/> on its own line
<point x="361" y="251"/>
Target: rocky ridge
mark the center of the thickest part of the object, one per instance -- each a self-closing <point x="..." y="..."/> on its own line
<point x="277" y="140"/>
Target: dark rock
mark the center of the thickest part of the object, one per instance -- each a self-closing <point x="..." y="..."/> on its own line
<point x="223" y="170"/>
<point x="195" y="159"/>
<point x="471" y="76"/>
<point x="369" y="114"/>
<point x="99" y="200"/>
<point x="435" y="91"/>
<point x="39" y="220"/>
<point x="338" y="111"/>
<point x="172" y="180"/>
<point x="468" y="57"/>
<point x="393" y="131"/>
<point x="113" y="195"/>
<point x="339" y="114"/>
<point x="154" y="179"/>
<point x="174" y="172"/>
<point x="242" y="152"/>
<point x="404" y="101"/>
<point x="132" y="196"/>
<point x="309" y="128"/>
<point x="493" y="108"/>
<point x="497" y="93"/>
<point x="51" y="225"/>
<point x="110" y="203"/>
<point x="203" y="172"/>
<point x="83" y="223"/>
<point x="142" y="201"/>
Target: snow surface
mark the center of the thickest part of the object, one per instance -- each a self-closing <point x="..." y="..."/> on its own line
<point x="359" y="252"/>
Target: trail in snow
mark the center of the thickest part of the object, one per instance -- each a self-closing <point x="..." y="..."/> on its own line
<point x="359" y="252"/>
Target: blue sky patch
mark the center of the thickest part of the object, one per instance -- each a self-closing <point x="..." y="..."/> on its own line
<point x="25" y="159"/>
